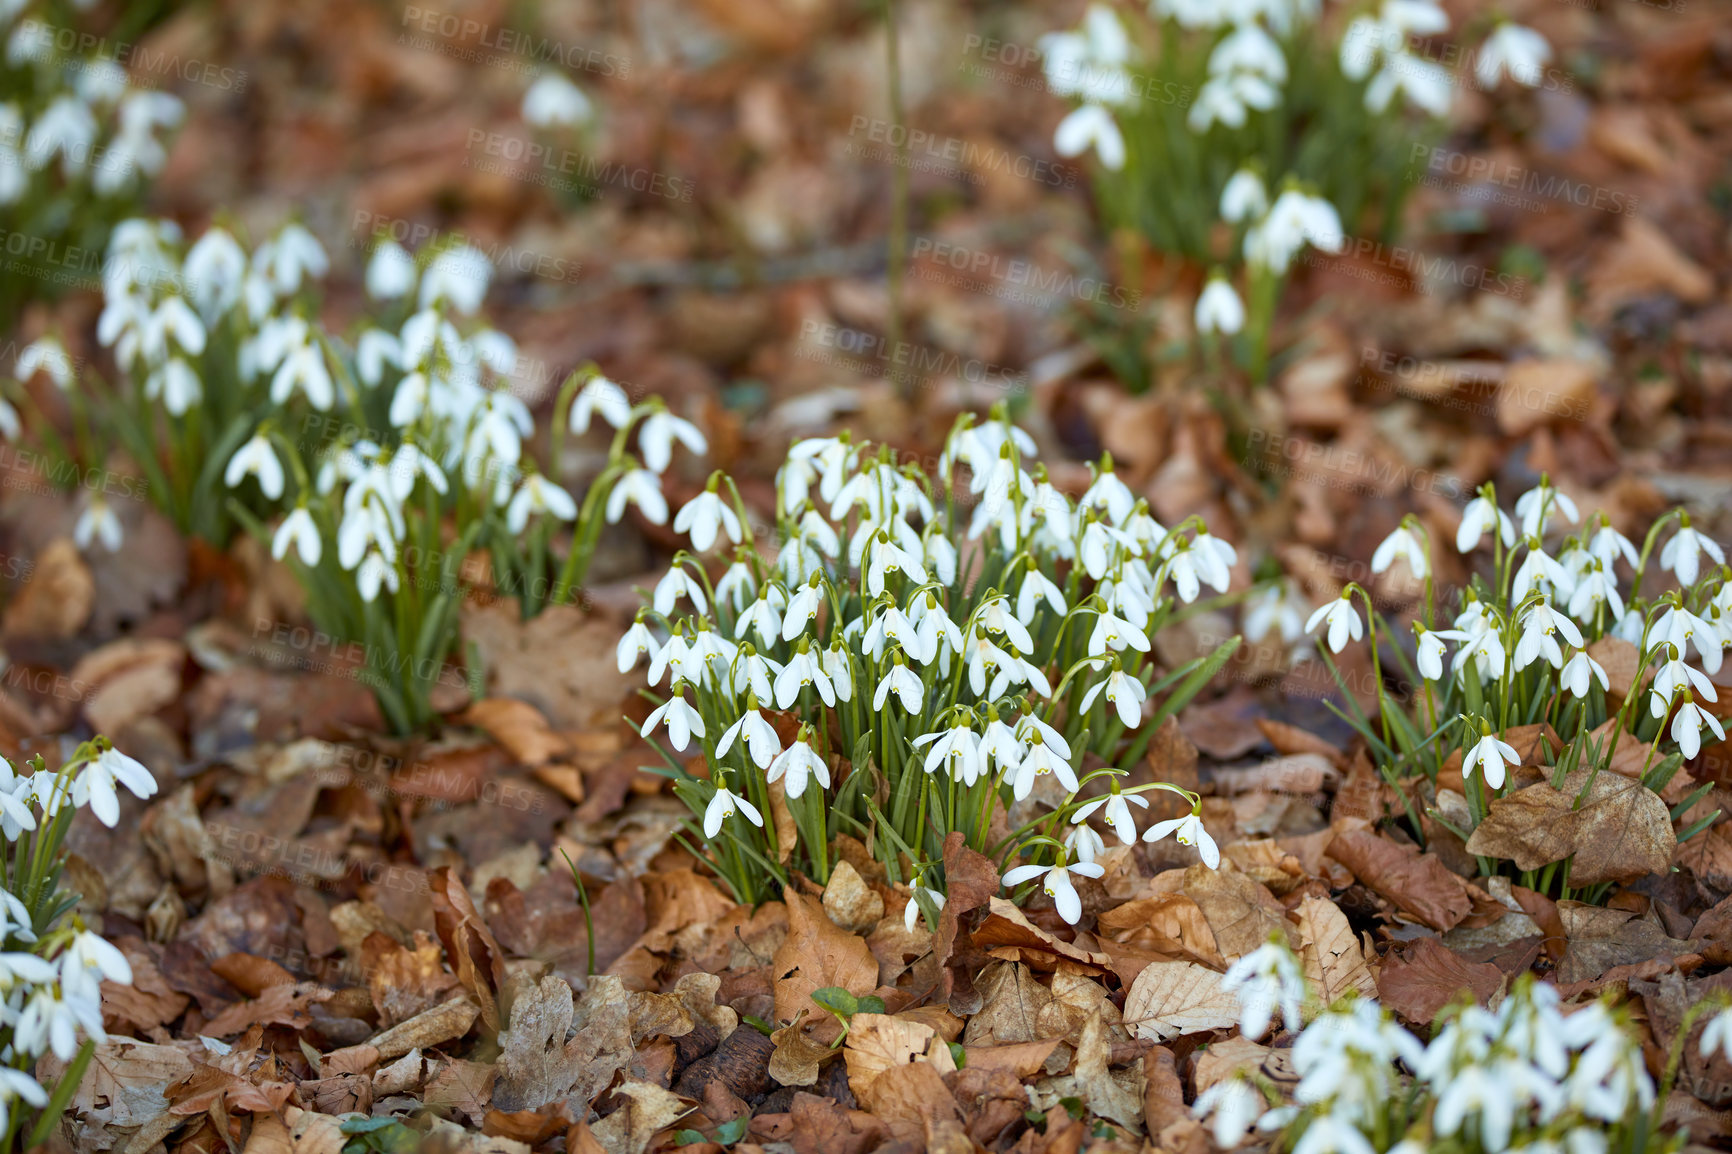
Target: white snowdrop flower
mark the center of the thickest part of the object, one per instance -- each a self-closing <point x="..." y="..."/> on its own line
<point x="1089" y="63"/>
<point x="681" y="719"/>
<point x="1607" y="544"/>
<point x="658" y="433"/>
<point x="1234" y="1105"/>
<point x="1684" y="629"/>
<point x="48" y="355"/>
<point x="1037" y="761"/>
<point x="173" y="319"/>
<point x="1057" y="884"/>
<point x="1687" y="726"/>
<point x="1227" y="99"/>
<point x="257" y="459"/>
<point x="65" y="128"/>
<point x="1672" y="677"/>
<point x="89" y="955"/>
<point x="1539" y="570"/>
<point x="1496" y="1092"/>
<point x="754" y="674"/>
<point x="1520" y="52"/>
<point x="18" y="1084"/>
<point x="214" y="270"/>
<point x="304" y="369"/>
<point x="737" y="587"/>
<point x="704" y="516"/>
<point x="763" y="616"/>
<point x="1117" y="813"/>
<point x="1580" y="671"/>
<point x="634" y="644"/>
<point x="390" y="271"/>
<point x="1541" y="627"/>
<point x="1294" y="220"/>
<point x="798" y="763"/>
<point x="838" y="668"/>
<point x="1187" y="830"/>
<point x="373" y="351"/>
<point x="1219" y="309"/>
<point x="933" y="630"/>
<point x="887" y="557"/>
<point x="1480" y="515"/>
<point x="1536" y="507"/>
<point x="1488" y="755"/>
<point x="1404" y="543"/>
<point x="50" y="1021"/>
<point x="760" y="741"/>
<point x="956" y="748"/>
<point x="1596" y="587"/>
<point x="299" y="532"/>
<point x="642" y="488"/>
<point x="1343" y="622"/>
<point x="905" y="684"/>
<point x="291" y="257"/>
<point x="1683" y="552"/>
<point x="1085" y="843"/>
<point x="1036" y="588"/>
<point x="1248" y="48"/>
<point x="1244" y="198"/>
<point x="1267" y="978"/>
<point x="536" y="494"/>
<point x="600" y="396"/>
<point x="96" y="782"/>
<point x="1123" y="691"/>
<point x="677" y="583"/>
<point x="97" y="522"/>
<point x="1426" y="85"/>
<point x="1100" y="545"/>
<point x="176" y="385"/>
<point x="459" y="275"/>
<point x="803" y="669"/>
<point x="1091" y="126"/>
<point x="802" y="607"/>
<point x="375" y="572"/>
<point x="1114" y="633"/>
<point x="723" y="806"/>
<point x="1429" y="654"/>
<point x="916" y="891"/>
<point x="553" y="101"/>
<point x="675" y="657"/>
<point x="892" y="625"/>
<point x="1717" y="1035"/>
<point x="1276" y="607"/>
<point x="11" y="425"/>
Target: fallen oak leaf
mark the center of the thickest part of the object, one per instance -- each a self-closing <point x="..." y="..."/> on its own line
<point x="1171" y="999"/>
<point x="815" y="955"/>
<point x="1333" y="959"/>
<point x="1620" y="831"/>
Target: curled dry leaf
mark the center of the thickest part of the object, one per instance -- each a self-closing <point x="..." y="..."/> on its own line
<point x="519" y="727"/>
<point x="817" y="954"/>
<point x="647" y="1110"/>
<point x="1333" y="959"/>
<point x="1620" y="831"/>
<point x="1171" y="999"/>
<point x="1418" y="883"/>
<point x="876" y="1042"/>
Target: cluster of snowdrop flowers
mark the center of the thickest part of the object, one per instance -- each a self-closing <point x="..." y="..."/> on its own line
<point x="1378" y="47"/>
<point x="210" y="338"/>
<point x="76" y="117"/>
<point x="51" y="966"/>
<point x="1524" y="1077"/>
<point x="1524" y="636"/>
<point x="916" y="656"/>
<point x="1090" y="65"/>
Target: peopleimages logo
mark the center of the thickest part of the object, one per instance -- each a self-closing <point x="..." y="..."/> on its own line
<point x="1021" y="274"/>
<point x="1480" y="177"/>
<point x="927" y="151"/>
<point x="491" y="41"/>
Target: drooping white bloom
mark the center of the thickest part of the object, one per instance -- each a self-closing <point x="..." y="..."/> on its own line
<point x="681" y="719"/>
<point x="1429" y="654"/>
<point x="96" y="782"/>
<point x="916" y="891"/>
<point x="48" y="355"/>
<point x="907" y="686"/>
<point x="1266" y="978"/>
<point x="1479" y="516"/>
<point x="1118" y="813"/>
<point x="1683" y="552"/>
<point x="1580" y="672"/>
<point x="1520" y="52"/>
<point x="601" y="396"/>
<point x="458" y="275"/>
<point x="805" y="668"/>
<point x="299" y="531"/>
<point x="677" y="583"/>
<point x="723" y="806"/>
<point x="1342" y="620"/>
<point x="554" y="101"/>
<point x="1687" y="726"/>
<point x="761" y="743"/>
<point x="1219" y="309"/>
<point x="1488" y="755"/>
<point x="1540" y="629"/>
<point x="538" y="495"/>
<point x="634" y="644"/>
<point x="642" y="488"/>
<point x="390" y="271"/>
<point x="258" y="460"/>
<point x="97" y="522"/>
<point x="1535" y="508"/>
<point x="1402" y="543"/>
<point x="1091" y="126"/>
<point x="798" y="763"/>
<point x="657" y="435"/>
<point x="1187" y="830"/>
<point x="1057" y="884"/>
<point x="1234" y="1105"/>
<point x="704" y="516"/>
<point x="1123" y="691"/>
<point x="1244" y="198"/>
